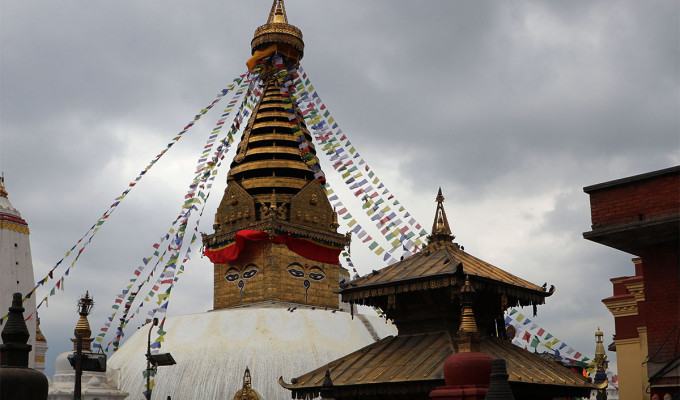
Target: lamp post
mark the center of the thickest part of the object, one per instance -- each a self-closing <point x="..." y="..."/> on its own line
<point x="153" y="361"/>
<point x="85" y="305"/>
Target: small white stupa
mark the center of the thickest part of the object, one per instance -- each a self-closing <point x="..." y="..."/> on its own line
<point x="17" y="273"/>
<point x="93" y="385"/>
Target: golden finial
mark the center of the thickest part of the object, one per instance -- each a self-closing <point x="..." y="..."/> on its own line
<point x="277" y="35"/>
<point x="278" y="13"/>
<point x="82" y="329"/>
<point x="468" y="334"/>
<point x="3" y="192"/>
<point x="440" y="226"/>
<point x="247" y="392"/>
<point x="599" y="346"/>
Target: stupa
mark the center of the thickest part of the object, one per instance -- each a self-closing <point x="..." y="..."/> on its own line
<point x="17" y="273"/>
<point x="275" y="252"/>
<point x="94" y="385"/>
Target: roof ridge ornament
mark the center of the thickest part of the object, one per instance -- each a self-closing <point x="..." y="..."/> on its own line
<point x="441" y="231"/>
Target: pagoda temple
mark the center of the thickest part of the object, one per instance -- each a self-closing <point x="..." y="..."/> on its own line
<point x="424" y="295"/>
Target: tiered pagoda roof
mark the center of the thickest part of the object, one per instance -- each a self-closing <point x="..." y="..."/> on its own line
<point x="443" y="301"/>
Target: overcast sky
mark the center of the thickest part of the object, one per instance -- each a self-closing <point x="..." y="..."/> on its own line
<point x="510" y="107"/>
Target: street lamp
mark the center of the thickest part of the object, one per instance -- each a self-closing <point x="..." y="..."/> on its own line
<point x="153" y="361"/>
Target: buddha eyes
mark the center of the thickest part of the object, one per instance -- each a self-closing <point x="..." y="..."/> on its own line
<point x="317" y="276"/>
<point x="233" y="274"/>
<point x="296" y="273"/>
<point x="250" y="273"/>
<point x="316" y="273"/>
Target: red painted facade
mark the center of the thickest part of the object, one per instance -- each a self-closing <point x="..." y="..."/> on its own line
<point x="641" y="215"/>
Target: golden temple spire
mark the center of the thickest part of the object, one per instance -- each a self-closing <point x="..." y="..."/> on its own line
<point x="468" y="334"/>
<point x="278" y="13"/>
<point x="3" y="191"/>
<point x="82" y="329"/>
<point x="247" y="392"/>
<point x="440" y="227"/>
<point x="599" y="347"/>
<point x="276" y="36"/>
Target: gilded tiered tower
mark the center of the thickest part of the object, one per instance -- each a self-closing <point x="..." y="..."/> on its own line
<point x="272" y="190"/>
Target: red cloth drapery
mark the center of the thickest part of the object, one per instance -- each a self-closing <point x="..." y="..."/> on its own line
<point x="304" y="247"/>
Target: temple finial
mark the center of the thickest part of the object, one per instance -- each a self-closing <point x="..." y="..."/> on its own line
<point x="247" y="380"/>
<point x="467" y="337"/>
<point x="276" y="36"/>
<point x="3" y="191"/>
<point x="440" y="227"/>
<point x="278" y="13"/>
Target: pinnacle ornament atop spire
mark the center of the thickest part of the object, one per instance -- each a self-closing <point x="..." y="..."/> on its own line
<point x="441" y="230"/>
<point x="3" y="191"/>
<point x="468" y="335"/>
<point x="277" y="35"/>
<point x="247" y="392"/>
<point x="278" y="13"/>
<point x="82" y="328"/>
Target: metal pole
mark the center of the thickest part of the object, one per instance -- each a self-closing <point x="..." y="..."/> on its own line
<point x="148" y="360"/>
<point x="79" y="370"/>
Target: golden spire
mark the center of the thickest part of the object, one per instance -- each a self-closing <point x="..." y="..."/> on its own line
<point x="440" y="226"/>
<point x="599" y="346"/>
<point x="83" y="326"/>
<point x="277" y="35"/>
<point x="3" y="191"/>
<point x="468" y="334"/>
<point x="278" y="13"/>
<point x="247" y="392"/>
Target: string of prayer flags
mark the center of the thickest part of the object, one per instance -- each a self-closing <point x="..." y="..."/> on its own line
<point x="525" y="330"/>
<point x="360" y="232"/>
<point x="205" y="174"/>
<point x="100" y="222"/>
<point x="288" y="90"/>
<point x="324" y="126"/>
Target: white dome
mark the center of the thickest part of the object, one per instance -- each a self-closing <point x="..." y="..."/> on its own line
<point x="213" y="349"/>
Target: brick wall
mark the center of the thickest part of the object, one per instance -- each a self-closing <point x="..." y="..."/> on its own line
<point x="662" y="300"/>
<point x="638" y="200"/>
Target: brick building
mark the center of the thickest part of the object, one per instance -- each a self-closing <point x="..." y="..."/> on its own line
<point x="641" y="216"/>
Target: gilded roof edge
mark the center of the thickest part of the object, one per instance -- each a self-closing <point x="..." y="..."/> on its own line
<point x="378" y="364"/>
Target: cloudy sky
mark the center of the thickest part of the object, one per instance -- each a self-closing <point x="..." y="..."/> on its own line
<point x="511" y="107"/>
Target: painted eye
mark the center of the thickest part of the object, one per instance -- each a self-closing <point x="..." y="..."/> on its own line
<point x="250" y="273"/>
<point x="296" y="273"/>
<point x="231" y="277"/>
<point x="317" y="276"/>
